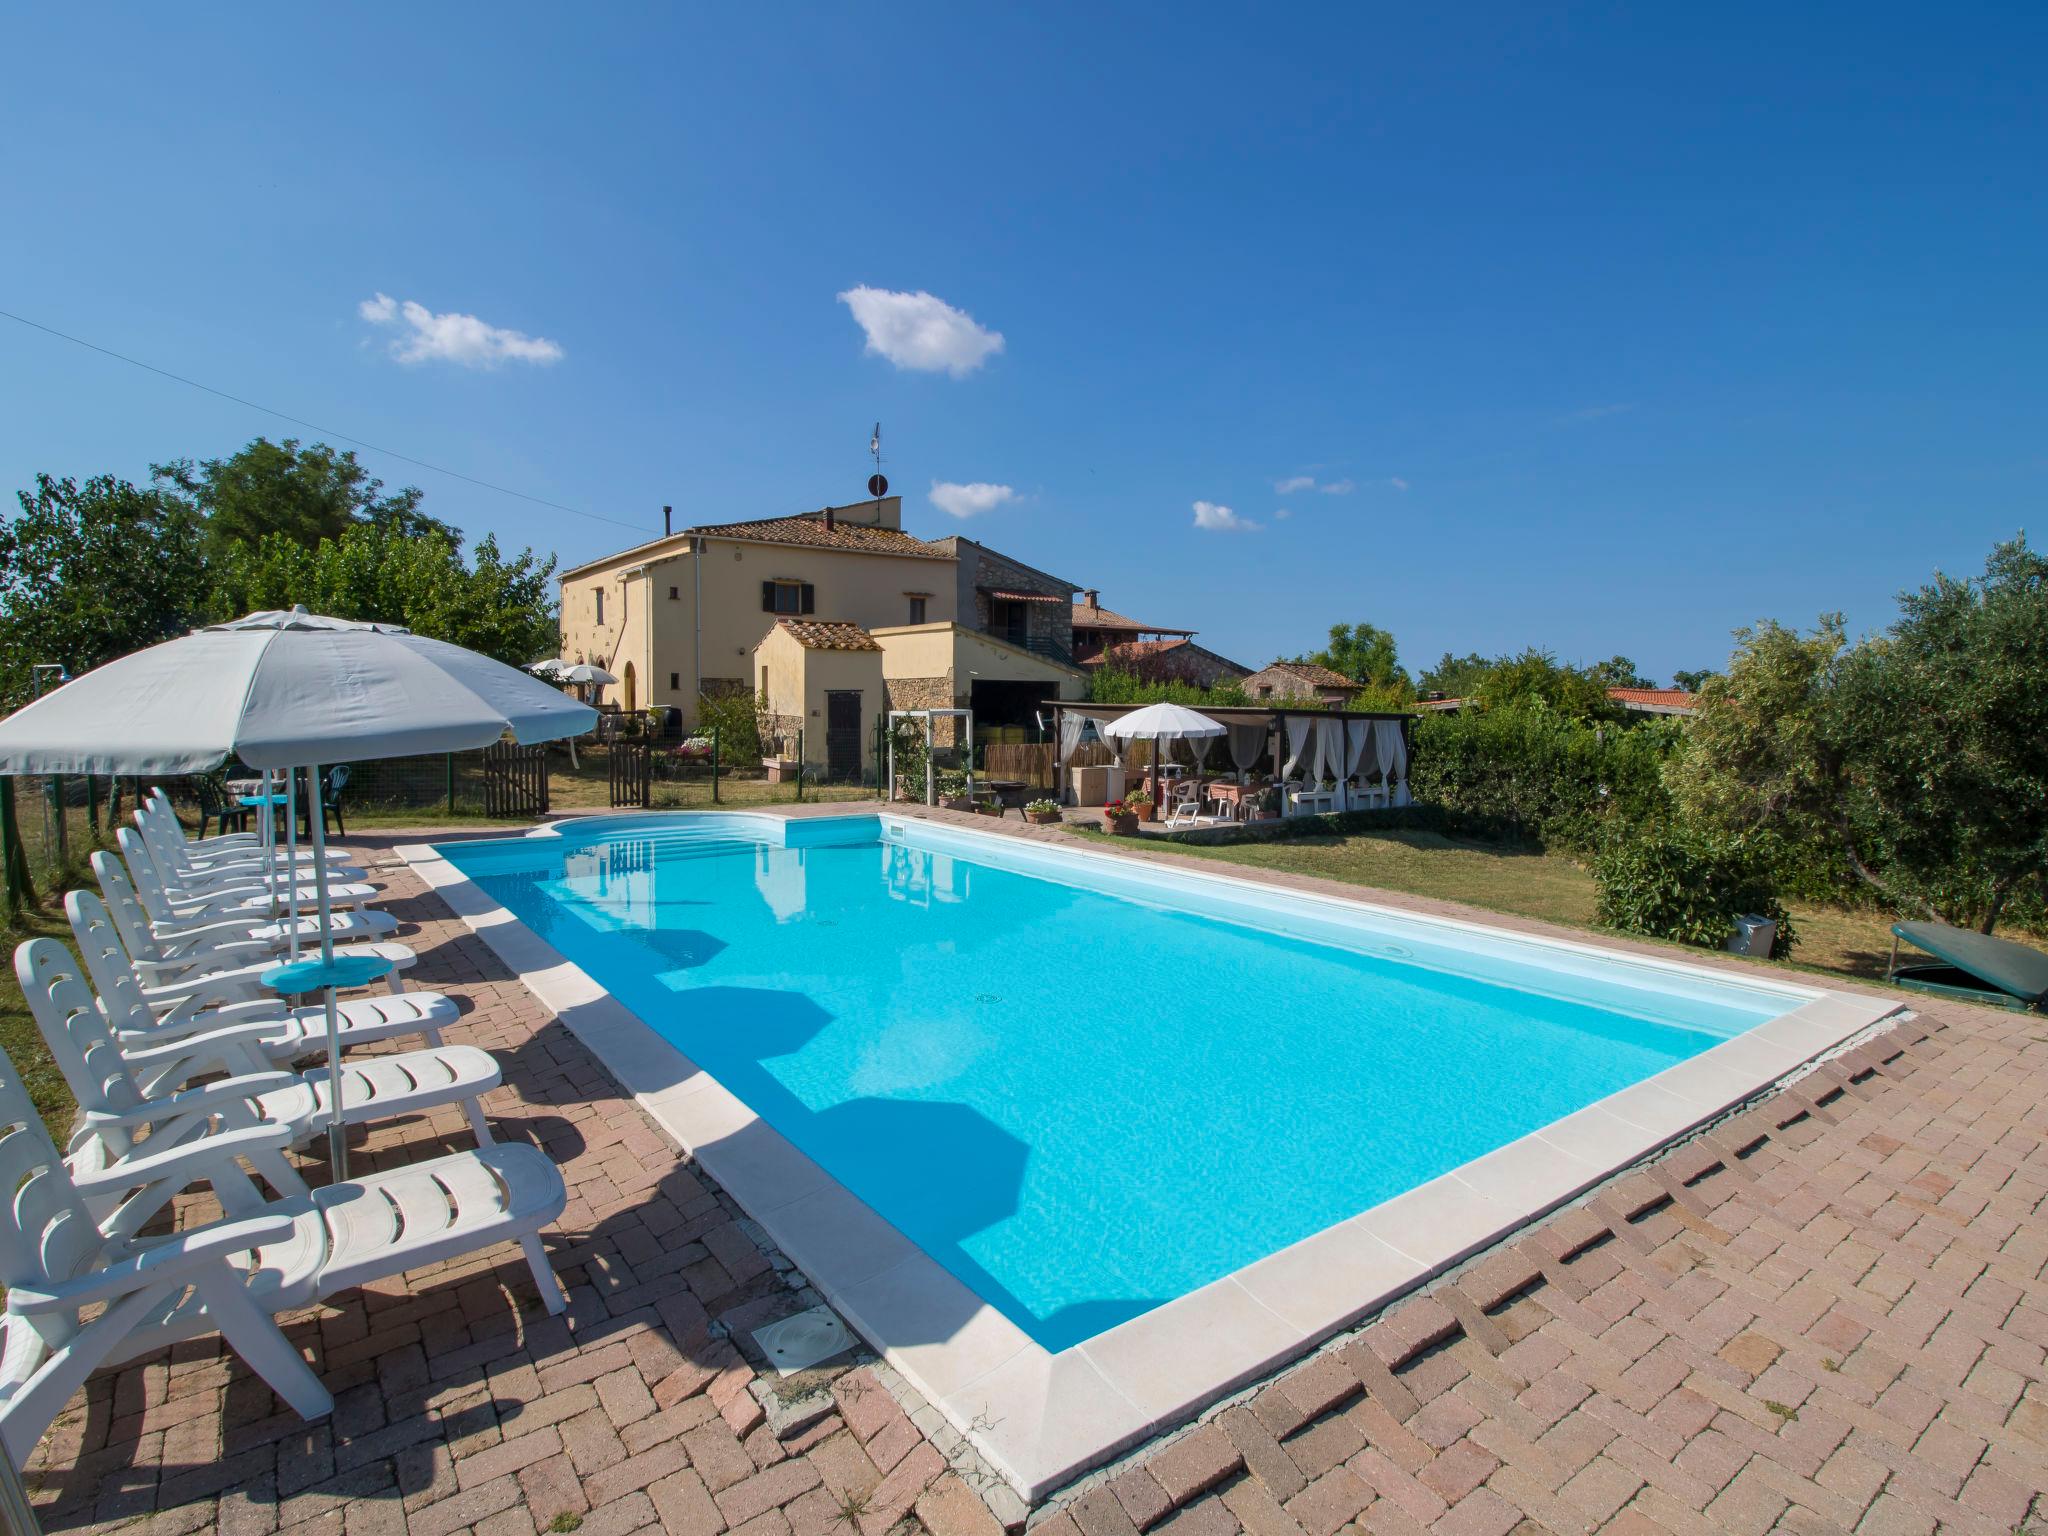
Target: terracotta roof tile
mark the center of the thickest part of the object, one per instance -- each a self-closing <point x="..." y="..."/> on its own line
<point x="1313" y="673"/>
<point x="825" y="635"/>
<point x="1098" y="617"/>
<point x="1654" y="698"/>
<point x="812" y="531"/>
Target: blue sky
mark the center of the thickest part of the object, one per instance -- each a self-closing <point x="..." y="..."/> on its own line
<point x="1605" y="332"/>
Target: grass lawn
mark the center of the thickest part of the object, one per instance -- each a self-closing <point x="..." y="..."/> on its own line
<point x="1547" y="886"/>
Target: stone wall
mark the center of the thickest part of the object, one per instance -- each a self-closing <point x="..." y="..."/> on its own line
<point x="926" y="693"/>
<point x="1046" y="623"/>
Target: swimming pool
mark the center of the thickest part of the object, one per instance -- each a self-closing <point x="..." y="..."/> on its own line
<point x="1083" y="1086"/>
<point x="1007" y="1102"/>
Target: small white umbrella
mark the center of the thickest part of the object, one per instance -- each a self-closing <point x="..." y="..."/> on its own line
<point x="1158" y="723"/>
<point x="547" y="667"/>
<point x="584" y="672"/>
<point x="285" y="690"/>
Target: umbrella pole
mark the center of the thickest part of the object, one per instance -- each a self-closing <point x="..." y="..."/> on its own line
<point x="270" y="840"/>
<point x="291" y="867"/>
<point x="1155" y="778"/>
<point x="336" y="1143"/>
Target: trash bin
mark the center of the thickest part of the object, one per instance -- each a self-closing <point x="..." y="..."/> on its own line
<point x="1754" y="935"/>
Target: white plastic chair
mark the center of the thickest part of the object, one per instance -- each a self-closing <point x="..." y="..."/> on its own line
<point x="229" y="1276"/>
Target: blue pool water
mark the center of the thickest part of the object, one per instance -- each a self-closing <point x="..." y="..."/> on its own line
<point x="1083" y="1086"/>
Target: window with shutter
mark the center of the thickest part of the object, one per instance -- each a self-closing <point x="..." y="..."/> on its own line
<point x="810" y="598"/>
<point x="768" y="597"/>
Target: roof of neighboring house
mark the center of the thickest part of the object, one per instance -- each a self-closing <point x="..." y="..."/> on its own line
<point x="1094" y="616"/>
<point x="812" y="531"/>
<point x="1140" y="650"/>
<point x="826" y="635"/>
<point x="951" y="544"/>
<point x="1314" y="674"/>
<point x="1656" y="701"/>
<point x="1010" y="595"/>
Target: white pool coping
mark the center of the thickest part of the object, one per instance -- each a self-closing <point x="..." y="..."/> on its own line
<point x="1042" y="1418"/>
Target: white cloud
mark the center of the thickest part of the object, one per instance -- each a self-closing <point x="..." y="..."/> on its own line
<point x="1397" y="482"/>
<point x="1220" y="519"/>
<point x="453" y="338"/>
<point x="971" y="499"/>
<point x="1282" y="514"/>
<point x="921" y="331"/>
<point x="1293" y="483"/>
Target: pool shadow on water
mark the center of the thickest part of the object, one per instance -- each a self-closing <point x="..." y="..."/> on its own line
<point x="937" y="1171"/>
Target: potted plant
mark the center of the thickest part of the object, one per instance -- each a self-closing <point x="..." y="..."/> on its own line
<point x="1139" y="803"/>
<point x="1045" y="812"/>
<point x="953" y="794"/>
<point x="1121" y="820"/>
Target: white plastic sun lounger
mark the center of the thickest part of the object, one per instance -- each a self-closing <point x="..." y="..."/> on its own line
<point x="155" y="816"/>
<point x="166" y="916"/>
<point x="237" y="844"/>
<point x="229" y="1276"/>
<point x="142" y="1017"/>
<point x="236" y="889"/>
<point x="124" y="1092"/>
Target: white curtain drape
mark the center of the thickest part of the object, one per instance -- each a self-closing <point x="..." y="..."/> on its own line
<point x="1299" y="729"/>
<point x="1071" y="726"/>
<point x="1330" y="749"/>
<point x="1357" y="750"/>
<point x="1200" y="745"/>
<point x="1246" y="743"/>
<point x="1393" y="756"/>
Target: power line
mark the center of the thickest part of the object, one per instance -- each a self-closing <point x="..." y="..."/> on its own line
<point x="299" y="421"/>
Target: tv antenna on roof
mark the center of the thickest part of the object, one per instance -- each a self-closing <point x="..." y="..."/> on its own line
<point x="878" y="483"/>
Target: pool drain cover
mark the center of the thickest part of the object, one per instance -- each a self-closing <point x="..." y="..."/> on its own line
<point x="804" y="1340"/>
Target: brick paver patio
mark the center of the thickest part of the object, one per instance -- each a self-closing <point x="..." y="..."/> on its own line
<point x="1829" y="1314"/>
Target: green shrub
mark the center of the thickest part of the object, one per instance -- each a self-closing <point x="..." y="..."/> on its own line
<point x="738" y="723"/>
<point x="1673" y="883"/>
<point x="1525" y="772"/>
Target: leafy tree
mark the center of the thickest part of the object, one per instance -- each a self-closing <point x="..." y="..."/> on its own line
<point x="1120" y="685"/>
<point x="1691" y="682"/>
<point x="1920" y="755"/>
<point x="1456" y="677"/>
<point x="1364" y="653"/>
<point x="1619" y="672"/>
<point x="304" y="494"/>
<point x="377" y="571"/>
<point x="90" y="572"/>
<point x="1537" y="676"/>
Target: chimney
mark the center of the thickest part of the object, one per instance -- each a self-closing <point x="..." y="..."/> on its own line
<point x="1092" y="595"/>
<point x="828" y="520"/>
<point x="668" y="521"/>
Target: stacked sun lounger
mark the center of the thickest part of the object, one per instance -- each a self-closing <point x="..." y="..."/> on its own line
<point x="188" y="1072"/>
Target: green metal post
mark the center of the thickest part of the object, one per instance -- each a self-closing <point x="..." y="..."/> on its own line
<point x="450" y="770"/>
<point x="92" y="805"/>
<point x="714" y="765"/>
<point x="63" y="837"/>
<point x="799" y="762"/>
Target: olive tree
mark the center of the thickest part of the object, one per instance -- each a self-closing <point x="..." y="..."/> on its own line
<point x="1918" y="756"/>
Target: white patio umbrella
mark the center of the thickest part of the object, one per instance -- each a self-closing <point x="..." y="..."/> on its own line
<point x="547" y="667"/>
<point x="1161" y="723"/>
<point x="285" y="690"/>
<point x="584" y="672"/>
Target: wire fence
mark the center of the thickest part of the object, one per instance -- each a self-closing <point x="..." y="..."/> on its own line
<point x="50" y="825"/>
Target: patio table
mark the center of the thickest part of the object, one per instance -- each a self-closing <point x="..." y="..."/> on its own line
<point x="1231" y="793"/>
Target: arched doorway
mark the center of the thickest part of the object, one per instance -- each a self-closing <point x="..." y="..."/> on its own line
<point x="632" y="693"/>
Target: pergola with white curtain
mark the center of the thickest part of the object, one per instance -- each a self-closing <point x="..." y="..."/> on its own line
<point x="1363" y="756"/>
